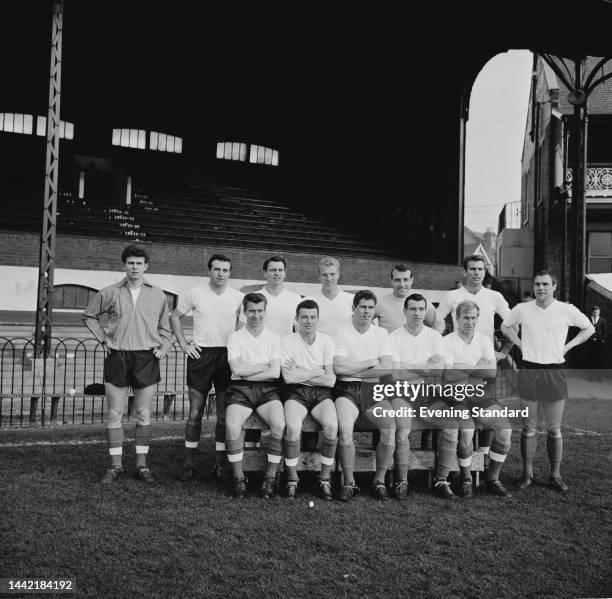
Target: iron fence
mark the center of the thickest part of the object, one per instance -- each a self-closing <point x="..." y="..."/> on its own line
<point x="67" y="387"/>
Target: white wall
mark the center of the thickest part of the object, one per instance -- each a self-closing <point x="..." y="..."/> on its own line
<point x="19" y="284"/>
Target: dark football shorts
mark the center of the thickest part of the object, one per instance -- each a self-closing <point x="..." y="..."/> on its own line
<point x="310" y="396"/>
<point x="252" y="394"/>
<point x="542" y="382"/>
<point x="210" y="368"/>
<point x="137" y="369"/>
<point x="358" y="392"/>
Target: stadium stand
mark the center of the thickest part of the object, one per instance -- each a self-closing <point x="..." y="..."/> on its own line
<point x="206" y="212"/>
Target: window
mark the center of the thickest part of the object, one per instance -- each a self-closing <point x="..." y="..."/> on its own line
<point x="16" y="122"/>
<point x="171" y="299"/>
<point x="66" y="129"/>
<point x="600" y="251"/>
<point x="72" y="297"/>
<point x="231" y="150"/>
<point x="129" y="138"/>
<point x="261" y="155"/>
<point x="163" y="142"/>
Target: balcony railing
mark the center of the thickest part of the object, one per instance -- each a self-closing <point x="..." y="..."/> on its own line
<point x="509" y="217"/>
<point x="598" y="182"/>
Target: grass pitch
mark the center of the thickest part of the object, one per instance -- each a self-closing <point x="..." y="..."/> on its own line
<point x="174" y="539"/>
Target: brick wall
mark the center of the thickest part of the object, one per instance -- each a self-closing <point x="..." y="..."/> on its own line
<point x="95" y="253"/>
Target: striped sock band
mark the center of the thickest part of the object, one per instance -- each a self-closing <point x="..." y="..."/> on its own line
<point x="346" y="455"/>
<point x="497" y="458"/>
<point x="143" y="440"/>
<point x="384" y="459"/>
<point x="328" y="452"/>
<point x="554" y="448"/>
<point x="292" y="456"/>
<point x="234" y="448"/>
<point x="402" y="451"/>
<point x="115" y="445"/>
<point x="447" y="451"/>
<point x="192" y="438"/>
<point x="528" y="451"/>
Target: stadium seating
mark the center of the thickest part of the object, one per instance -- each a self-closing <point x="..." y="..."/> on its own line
<point x="194" y="211"/>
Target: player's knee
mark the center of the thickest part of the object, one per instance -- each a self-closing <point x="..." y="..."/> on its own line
<point x="114" y="417"/>
<point x="330" y="430"/>
<point x="529" y="432"/>
<point x="504" y="436"/>
<point x="196" y="412"/>
<point x="402" y="434"/>
<point x="277" y="429"/>
<point x="387" y="436"/>
<point x="554" y="432"/>
<point x="292" y="432"/>
<point x="345" y="432"/>
<point x="450" y="435"/>
<point x="233" y="429"/>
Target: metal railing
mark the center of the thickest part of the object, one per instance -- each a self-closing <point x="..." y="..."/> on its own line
<point x="597" y="183"/>
<point x="510" y="217"/>
<point x="67" y="387"/>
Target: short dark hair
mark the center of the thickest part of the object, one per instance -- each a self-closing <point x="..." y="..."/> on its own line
<point x="253" y="298"/>
<point x="401" y="268"/>
<point x="220" y="258"/>
<point x="415" y="297"/>
<point x="363" y="294"/>
<point x="307" y="304"/>
<point x="546" y="273"/>
<point x="473" y="258"/>
<point x="595" y="307"/>
<point x="274" y="259"/>
<point x="136" y="251"/>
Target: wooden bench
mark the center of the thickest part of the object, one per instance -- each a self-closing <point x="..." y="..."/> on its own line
<point x="255" y="459"/>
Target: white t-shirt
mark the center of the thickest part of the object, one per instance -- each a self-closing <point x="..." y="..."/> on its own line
<point x="490" y="302"/>
<point x="306" y="356"/>
<point x="334" y="314"/>
<point x="544" y="330"/>
<point x="243" y="346"/>
<point x="135" y="293"/>
<point x="280" y="311"/>
<point x="390" y="314"/>
<point x="414" y="349"/>
<point x="460" y="352"/>
<point x="214" y="315"/>
<point x="457" y="351"/>
<point x="356" y="346"/>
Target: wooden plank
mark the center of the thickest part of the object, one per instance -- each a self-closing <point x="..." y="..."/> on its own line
<point x="255" y="460"/>
<point x="255" y="422"/>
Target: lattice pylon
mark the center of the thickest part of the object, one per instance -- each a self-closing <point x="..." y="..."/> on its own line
<point x="44" y="308"/>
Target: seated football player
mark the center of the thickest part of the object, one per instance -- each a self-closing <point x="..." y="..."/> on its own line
<point x="307" y="367"/>
<point x="415" y="350"/>
<point x="358" y="361"/>
<point x="254" y="358"/>
<point x="470" y="360"/>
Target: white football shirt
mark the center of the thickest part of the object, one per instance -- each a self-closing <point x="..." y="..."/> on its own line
<point x="307" y="356"/>
<point x="489" y="302"/>
<point x="544" y="330"/>
<point x="214" y="315"/>
<point x="243" y="346"/>
<point x="356" y="346"/>
<point x="334" y="314"/>
<point x="280" y="310"/>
